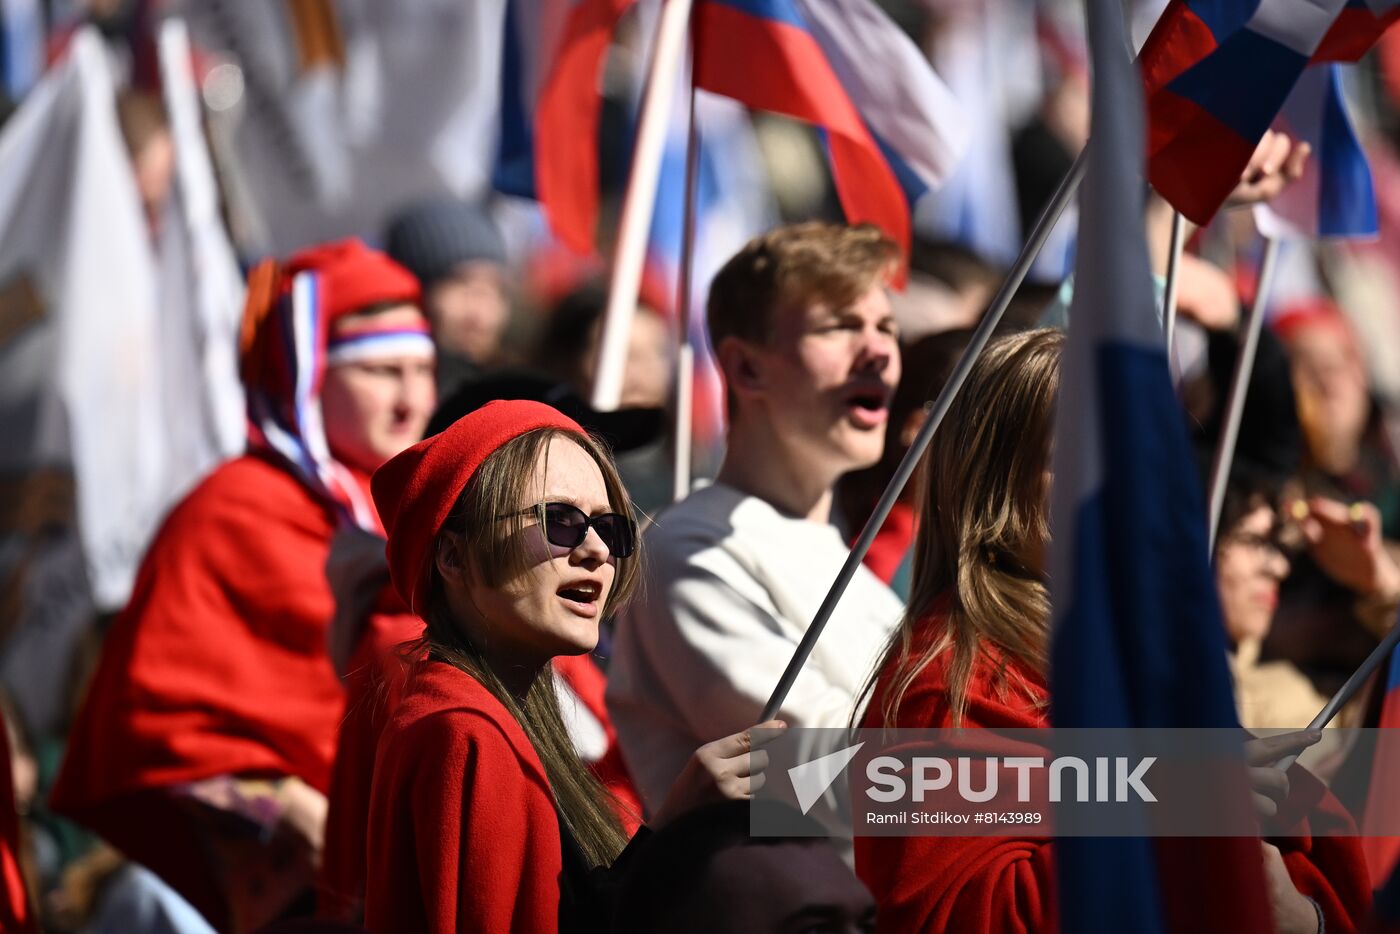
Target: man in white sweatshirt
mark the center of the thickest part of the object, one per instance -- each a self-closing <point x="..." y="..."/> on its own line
<point x="733" y="575"/>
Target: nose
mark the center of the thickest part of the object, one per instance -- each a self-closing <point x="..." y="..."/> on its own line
<point x="1278" y="564"/>
<point x="879" y="351"/>
<point x="591" y="552"/>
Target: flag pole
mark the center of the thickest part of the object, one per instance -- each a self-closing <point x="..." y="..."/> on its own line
<point x="637" y="205"/>
<point x="1178" y="244"/>
<point x="1239" y="388"/>
<point x="685" y="356"/>
<point x="1353" y="684"/>
<point x="1043" y="227"/>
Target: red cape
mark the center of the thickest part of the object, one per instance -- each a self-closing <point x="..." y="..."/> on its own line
<point x="217" y="666"/>
<point x="463" y="834"/>
<point x="996" y="884"/>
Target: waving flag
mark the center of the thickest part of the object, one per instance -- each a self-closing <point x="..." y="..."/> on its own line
<point x="552" y="64"/>
<point x="1216" y="74"/>
<point x="1137" y="636"/>
<point x="1335" y="197"/>
<point x="892" y="129"/>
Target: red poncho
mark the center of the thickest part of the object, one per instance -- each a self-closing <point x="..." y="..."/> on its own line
<point x="1000" y="884"/>
<point x="463" y="835"/>
<point x="217" y="666"/>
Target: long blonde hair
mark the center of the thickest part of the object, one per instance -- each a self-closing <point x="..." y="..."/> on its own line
<point x="498" y="488"/>
<point x="982" y="505"/>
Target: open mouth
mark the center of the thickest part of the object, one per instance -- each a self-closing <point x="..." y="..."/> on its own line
<point x="583" y="594"/>
<point x="868" y="407"/>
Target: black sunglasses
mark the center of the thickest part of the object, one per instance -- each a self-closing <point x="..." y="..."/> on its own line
<point x="567" y="526"/>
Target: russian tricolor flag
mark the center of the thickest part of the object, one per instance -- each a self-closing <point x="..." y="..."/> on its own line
<point x="1217" y="72"/>
<point x="892" y="128"/>
<point x="552" y="61"/>
<point x="1137" y="636"/>
<point x="1335" y="197"/>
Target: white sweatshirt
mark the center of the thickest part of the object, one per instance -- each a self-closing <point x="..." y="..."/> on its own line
<point x="729" y="587"/>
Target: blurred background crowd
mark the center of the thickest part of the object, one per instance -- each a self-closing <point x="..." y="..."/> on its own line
<point x="144" y="169"/>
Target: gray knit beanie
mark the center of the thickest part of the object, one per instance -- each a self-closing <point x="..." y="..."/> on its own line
<point x="431" y="237"/>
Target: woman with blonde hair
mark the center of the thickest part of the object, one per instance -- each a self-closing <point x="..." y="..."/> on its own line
<point x="510" y="533"/>
<point x="972" y="651"/>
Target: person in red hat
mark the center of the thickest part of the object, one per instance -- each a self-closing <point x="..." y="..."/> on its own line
<point x="511" y="535"/>
<point x="203" y="748"/>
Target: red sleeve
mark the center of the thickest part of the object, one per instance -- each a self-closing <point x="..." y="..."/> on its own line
<point x="1323" y="854"/>
<point x="463" y="833"/>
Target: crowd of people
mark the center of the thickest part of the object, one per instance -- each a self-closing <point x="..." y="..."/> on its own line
<point x="436" y="651"/>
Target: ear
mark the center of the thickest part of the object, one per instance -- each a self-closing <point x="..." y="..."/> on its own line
<point x="742" y="367"/>
<point x="450" y="557"/>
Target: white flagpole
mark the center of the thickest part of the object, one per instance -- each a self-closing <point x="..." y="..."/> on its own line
<point x="1043" y="227"/>
<point x="685" y="357"/>
<point x="1239" y="386"/>
<point x="667" y="55"/>
<point x="1178" y="243"/>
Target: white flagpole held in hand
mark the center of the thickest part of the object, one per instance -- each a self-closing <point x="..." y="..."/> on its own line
<point x="685" y="355"/>
<point x="630" y="254"/>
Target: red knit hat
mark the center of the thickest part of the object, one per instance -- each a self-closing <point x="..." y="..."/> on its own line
<point x="354" y="277"/>
<point x="416" y="489"/>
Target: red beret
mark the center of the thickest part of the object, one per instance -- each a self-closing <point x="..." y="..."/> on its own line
<point x="354" y="277"/>
<point x="416" y="489"/>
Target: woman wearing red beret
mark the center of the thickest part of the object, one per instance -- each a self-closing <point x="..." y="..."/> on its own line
<point x="510" y="534"/>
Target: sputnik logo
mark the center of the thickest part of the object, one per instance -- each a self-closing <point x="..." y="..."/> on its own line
<point x="810" y="780"/>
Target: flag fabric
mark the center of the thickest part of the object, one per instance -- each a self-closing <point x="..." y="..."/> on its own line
<point x="1137" y="635"/>
<point x="1335" y="197"/>
<point x="893" y="131"/>
<point x="1356" y="28"/>
<point x="200" y="286"/>
<point x="21" y="46"/>
<point x="551" y="73"/>
<point x="1217" y="72"/>
<point x="79" y="331"/>
<point x="1382" y="806"/>
<point x="350" y="111"/>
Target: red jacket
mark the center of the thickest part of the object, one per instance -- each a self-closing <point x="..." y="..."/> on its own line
<point x="1007" y="884"/>
<point x="463" y="834"/>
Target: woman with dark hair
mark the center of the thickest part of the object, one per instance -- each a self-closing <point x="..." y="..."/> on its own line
<point x="972" y="651"/>
<point x="511" y="535"/>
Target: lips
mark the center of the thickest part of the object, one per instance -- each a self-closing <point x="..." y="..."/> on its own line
<point x="867" y="406"/>
<point x="581" y="596"/>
